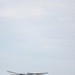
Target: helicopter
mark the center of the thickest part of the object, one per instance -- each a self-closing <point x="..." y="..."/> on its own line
<point x="14" y="73"/>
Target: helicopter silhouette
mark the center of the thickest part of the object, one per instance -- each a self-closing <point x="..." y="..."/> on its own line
<point x="14" y="73"/>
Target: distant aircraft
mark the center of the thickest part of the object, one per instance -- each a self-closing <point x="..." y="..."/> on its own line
<point x="14" y="73"/>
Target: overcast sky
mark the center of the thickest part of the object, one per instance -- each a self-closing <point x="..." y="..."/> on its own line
<point x="37" y="36"/>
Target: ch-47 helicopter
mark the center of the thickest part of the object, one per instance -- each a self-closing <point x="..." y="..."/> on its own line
<point x="14" y="73"/>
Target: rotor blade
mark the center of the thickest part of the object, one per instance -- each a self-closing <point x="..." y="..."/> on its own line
<point x="12" y="72"/>
<point x="37" y="73"/>
<point x="43" y="73"/>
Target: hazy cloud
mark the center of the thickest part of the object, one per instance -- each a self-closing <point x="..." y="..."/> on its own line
<point x="37" y="36"/>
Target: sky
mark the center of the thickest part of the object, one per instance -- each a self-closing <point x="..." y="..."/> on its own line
<point x="37" y="36"/>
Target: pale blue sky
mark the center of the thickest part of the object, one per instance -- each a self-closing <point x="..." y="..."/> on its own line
<point x="37" y="36"/>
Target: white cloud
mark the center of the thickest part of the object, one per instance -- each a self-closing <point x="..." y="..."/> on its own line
<point x="23" y="12"/>
<point x="33" y="9"/>
<point x="20" y="11"/>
